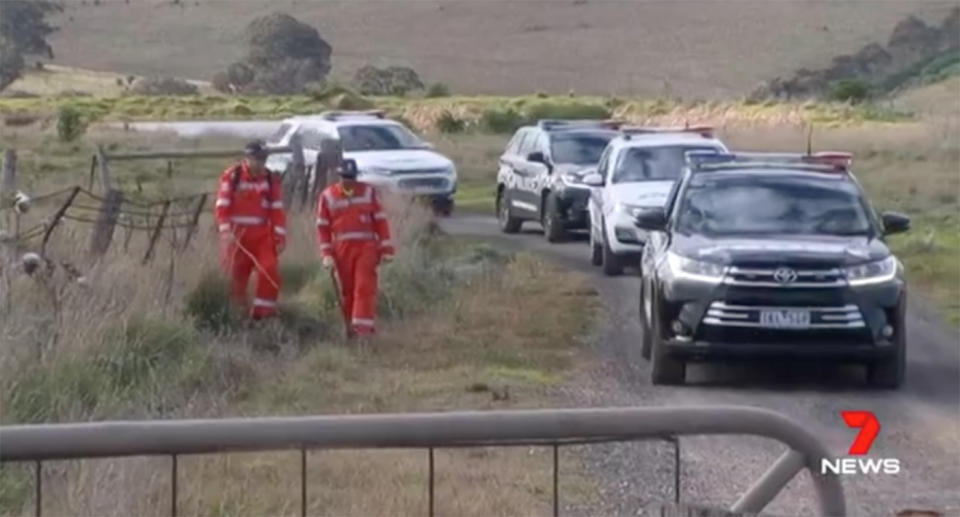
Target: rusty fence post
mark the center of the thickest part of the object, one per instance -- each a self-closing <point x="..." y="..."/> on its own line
<point x="156" y="232"/>
<point x="293" y="179"/>
<point x="194" y="221"/>
<point x="55" y="219"/>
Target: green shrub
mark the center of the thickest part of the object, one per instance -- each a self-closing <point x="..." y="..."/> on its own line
<point x="449" y="123"/>
<point x="438" y="90"/>
<point x="71" y="124"/>
<point x="501" y="120"/>
<point x="141" y="352"/>
<point x="209" y="303"/>
<point x="296" y="276"/>
<point x="851" y="90"/>
<point x="567" y="110"/>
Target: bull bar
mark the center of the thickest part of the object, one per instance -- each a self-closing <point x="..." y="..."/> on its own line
<point x="44" y="442"/>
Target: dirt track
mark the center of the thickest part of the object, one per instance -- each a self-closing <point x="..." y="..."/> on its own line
<point x="920" y="422"/>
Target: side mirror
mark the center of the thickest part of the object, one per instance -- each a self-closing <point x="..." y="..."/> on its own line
<point x="537" y="157"/>
<point x="651" y="220"/>
<point x="593" y="180"/>
<point x="894" y="222"/>
<point x="429" y="145"/>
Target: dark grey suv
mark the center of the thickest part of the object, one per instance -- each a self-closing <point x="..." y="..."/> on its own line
<point x="541" y="174"/>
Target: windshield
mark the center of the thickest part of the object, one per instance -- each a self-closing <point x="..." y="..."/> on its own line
<point x="745" y="205"/>
<point x="578" y="149"/>
<point x="654" y="163"/>
<point x="378" y="138"/>
<point x="278" y="135"/>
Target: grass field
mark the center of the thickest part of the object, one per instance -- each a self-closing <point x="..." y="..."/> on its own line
<point x="453" y="335"/>
<point x="693" y="48"/>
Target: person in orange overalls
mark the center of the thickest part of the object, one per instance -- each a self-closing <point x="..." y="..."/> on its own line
<point x="252" y="226"/>
<point x="354" y="237"/>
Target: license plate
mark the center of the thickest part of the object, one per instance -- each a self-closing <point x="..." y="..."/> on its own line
<point x="785" y="319"/>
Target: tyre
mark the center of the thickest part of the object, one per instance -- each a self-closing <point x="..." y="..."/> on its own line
<point x="664" y="370"/>
<point x="612" y="265"/>
<point x="553" y="228"/>
<point x="645" y="340"/>
<point x="596" y="251"/>
<point x="508" y="222"/>
<point x="443" y="207"/>
<point x="889" y="372"/>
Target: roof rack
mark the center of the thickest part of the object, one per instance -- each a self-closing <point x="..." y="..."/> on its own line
<point x="836" y="161"/>
<point x="555" y="124"/>
<point x="339" y="115"/>
<point x="702" y="130"/>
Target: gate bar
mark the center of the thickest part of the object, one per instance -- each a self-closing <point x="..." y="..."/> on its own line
<point x="422" y="430"/>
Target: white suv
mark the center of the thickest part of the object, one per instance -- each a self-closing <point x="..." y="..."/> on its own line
<point x="388" y="155"/>
<point x="636" y="171"/>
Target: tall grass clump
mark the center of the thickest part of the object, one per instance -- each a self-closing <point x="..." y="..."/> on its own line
<point x="71" y="124"/>
<point x="449" y="123"/>
<point x="567" y="110"/>
<point x="499" y="121"/>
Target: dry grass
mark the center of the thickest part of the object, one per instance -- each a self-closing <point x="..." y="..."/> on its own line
<point x="122" y="348"/>
<point x="703" y="48"/>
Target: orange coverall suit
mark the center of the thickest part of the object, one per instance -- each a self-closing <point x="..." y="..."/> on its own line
<point x="251" y="208"/>
<point x="353" y="230"/>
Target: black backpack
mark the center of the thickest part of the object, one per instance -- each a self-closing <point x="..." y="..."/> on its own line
<point x="235" y="180"/>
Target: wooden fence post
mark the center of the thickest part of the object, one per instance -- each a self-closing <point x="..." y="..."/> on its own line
<point x="93" y="172"/>
<point x="8" y="189"/>
<point x="330" y="158"/>
<point x="55" y="220"/>
<point x="293" y="179"/>
<point x="109" y="210"/>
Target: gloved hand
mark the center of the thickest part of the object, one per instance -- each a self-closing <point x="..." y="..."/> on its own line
<point x="328" y="262"/>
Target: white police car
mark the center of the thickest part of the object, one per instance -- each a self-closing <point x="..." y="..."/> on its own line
<point x="387" y="153"/>
<point x="636" y="171"/>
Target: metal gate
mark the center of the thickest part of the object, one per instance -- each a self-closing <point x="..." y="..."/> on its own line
<point x="556" y="428"/>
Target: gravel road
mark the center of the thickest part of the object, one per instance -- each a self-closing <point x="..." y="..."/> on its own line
<point x="920" y="422"/>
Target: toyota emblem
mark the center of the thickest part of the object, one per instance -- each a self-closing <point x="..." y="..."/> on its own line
<point x="785" y="275"/>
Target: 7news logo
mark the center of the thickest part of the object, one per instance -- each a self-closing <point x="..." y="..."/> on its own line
<point x="869" y="427"/>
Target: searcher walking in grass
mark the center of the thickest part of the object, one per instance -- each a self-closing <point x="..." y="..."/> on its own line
<point x="252" y="226"/>
<point x="354" y="238"/>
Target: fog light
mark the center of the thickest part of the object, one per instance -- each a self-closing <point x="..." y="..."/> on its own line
<point x="679" y="328"/>
<point x="887" y="331"/>
<point x="626" y="235"/>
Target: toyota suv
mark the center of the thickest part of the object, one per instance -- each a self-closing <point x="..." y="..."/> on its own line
<point x="388" y="155"/>
<point x="635" y="172"/>
<point x="541" y="174"/>
<point x="762" y="255"/>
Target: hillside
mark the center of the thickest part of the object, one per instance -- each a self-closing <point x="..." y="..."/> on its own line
<point x="695" y="48"/>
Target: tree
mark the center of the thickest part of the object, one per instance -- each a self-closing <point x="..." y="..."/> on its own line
<point x="23" y="31"/>
<point x="23" y="24"/>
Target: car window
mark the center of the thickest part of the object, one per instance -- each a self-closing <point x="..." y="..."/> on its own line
<point x="604" y="161"/>
<point x="776" y="206"/>
<point x="578" y="148"/>
<point x="653" y="163"/>
<point x="278" y="135"/>
<point x="356" y="138"/>
<point x="529" y="140"/>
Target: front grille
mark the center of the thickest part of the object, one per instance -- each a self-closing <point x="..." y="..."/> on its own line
<point x="415" y="183"/>
<point x="749" y="316"/>
<point x="785" y="277"/>
<point x="421" y="171"/>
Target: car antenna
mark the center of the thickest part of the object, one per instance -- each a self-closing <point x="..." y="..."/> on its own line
<point x="810" y="139"/>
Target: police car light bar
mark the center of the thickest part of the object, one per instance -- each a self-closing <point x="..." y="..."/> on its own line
<point x="336" y="115"/>
<point x="836" y="160"/>
<point x="704" y="131"/>
<point x="548" y="124"/>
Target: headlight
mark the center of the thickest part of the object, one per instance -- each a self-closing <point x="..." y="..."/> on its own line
<point x="572" y="179"/>
<point x="683" y="267"/>
<point x="379" y="171"/>
<point x="873" y="272"/>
